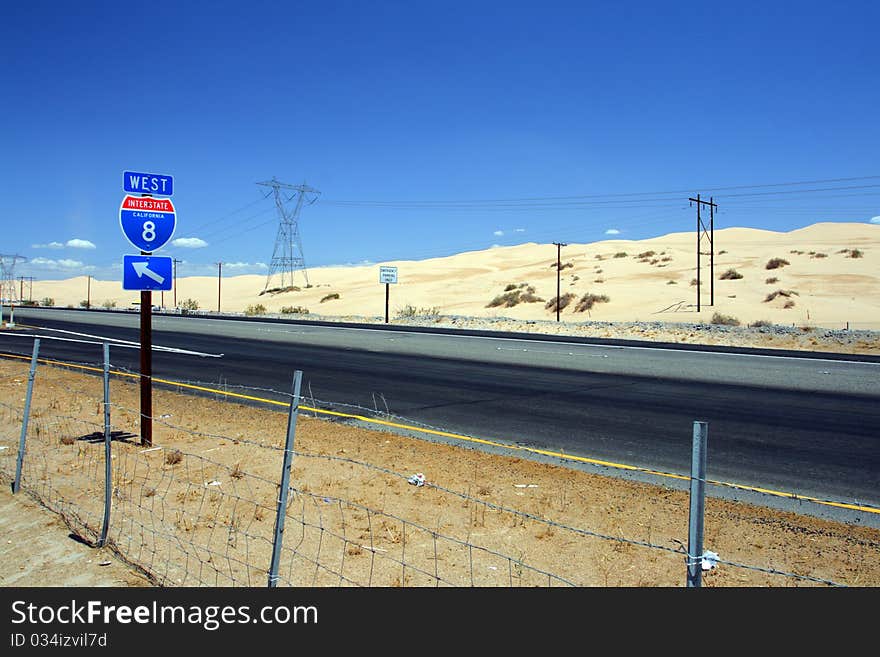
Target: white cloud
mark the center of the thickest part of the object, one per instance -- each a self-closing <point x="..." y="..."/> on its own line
<point x="498" y="233"/>
<point x="875" y="220"/>
<point x="495" y="246"/>
<point x="50" y="245"/>
<point x="63" y="263"/>
<point x="189" y="242"/>
<point x="612" y="231"/>
<point x="76" y="243"/>
<point x="245" y="265"/>
<point x="519" y="230"/>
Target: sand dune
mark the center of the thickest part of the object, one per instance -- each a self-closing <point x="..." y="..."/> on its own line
<point x="822" y="284"/>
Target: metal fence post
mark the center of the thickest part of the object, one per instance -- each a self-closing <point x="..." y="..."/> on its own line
<point x="108" y="483"/>
<point x="697" y="505"/>
<point x="285" y="481"/>
<point x="16" y="485"/>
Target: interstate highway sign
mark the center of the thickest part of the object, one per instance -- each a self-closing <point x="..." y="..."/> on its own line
<point x="140" y="272"/>
<point x="147" y="222"/>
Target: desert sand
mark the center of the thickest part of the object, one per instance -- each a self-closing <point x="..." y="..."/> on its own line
<point x="829" y="277"/>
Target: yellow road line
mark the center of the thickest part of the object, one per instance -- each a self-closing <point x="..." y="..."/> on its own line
<point x="471" y="439"/>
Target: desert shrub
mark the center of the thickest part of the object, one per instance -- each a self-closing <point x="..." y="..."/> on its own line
<point x="599" y="280"/>
<point x="820" y="255"/>
<point x="330" y="297"/>
<point x="760" y="323"/>
<point x="779" y="293"/>
<point x="562" y="266"/>
<point x="255" y="309"/>
<point x="188" y="305"/>
<point x="855" y="253"/>
<point x="693" y="281"/>
<point x="560" y="302"/>
<point x="29" y="302"/>
<point x="776" y="263"/>
<point x="173" y="456"/>
<point x="600" y="257"/>
<point x="84" y="304"/>
<point x="47" y="301"/>
<point x="645" y="255"/>
<point x="411" y="311"/>
<point x="294" y="310"/>
<point x="788" y="304"/>
<point x="620" y="254"/>
<point x="109" y="303"/>
<point x="587" y="301"/>
<point x="672" y="282"/>
<point x="771" y="280"/>
<point x="509" y="287"/>
<point x="725" y="320"/>
<point x="510" y="298"/>
<point x="666" y="259"/>
<point x="67" y="440"/>
<point x="722" y="252"/>
<point x="730" y="275"/>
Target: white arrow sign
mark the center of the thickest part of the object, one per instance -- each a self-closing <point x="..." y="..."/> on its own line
<point x="143" y="269"/>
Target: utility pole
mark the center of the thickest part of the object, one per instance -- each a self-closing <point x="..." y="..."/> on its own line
<point x="89" y="293"/>
<point x="174" y="262"/>
<point x="219" y="278"/>
<point x="559" y="246"/>
<point x="701" y="230"/>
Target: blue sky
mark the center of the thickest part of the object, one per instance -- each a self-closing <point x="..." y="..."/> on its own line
<point x="429" y="127"/>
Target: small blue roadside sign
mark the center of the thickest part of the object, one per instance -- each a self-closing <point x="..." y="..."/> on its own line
<point x="147" y="183"/>
<point x="140" y="272"/>
<point x="148" y="223"/>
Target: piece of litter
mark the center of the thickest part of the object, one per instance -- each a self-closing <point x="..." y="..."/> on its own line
<point x="493" y="567"/>
<point x="151" y="449"/>
<point x="710" y="560"/>
<point x="161" y="417"/>
<point x="418" y="479"/>
<point x="525" y="485"/>
<point x="212" y="483"/>
<point x="327" y="500"/>
<point x="105" y="563"/>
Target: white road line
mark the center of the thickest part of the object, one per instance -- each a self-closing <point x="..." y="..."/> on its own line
<point x="125" y="344"/>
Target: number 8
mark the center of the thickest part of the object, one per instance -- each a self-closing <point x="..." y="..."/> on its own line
<point x="149" y="233"/>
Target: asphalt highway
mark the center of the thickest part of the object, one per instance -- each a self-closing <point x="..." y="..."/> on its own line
<point x="805" y="425"/>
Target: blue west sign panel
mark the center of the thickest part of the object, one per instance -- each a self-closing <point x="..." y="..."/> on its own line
<point x="147" y="183"/>
<point x="148" y="223"/>
<point x="140" y="272"/>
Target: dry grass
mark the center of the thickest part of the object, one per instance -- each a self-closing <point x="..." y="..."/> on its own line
<point x="730" y="275"/>
<point x="771" y="280"/>
<point x="587" y="301"/>
<point x="173" y="456"/>
<point x="560" y="302"/>
<point x="780" y="293"/>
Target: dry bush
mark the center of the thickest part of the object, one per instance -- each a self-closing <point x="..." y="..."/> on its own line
<point x="560" y="302"/>
<point x="761" y="322"/>
<point x="255" y="309"/>
<point x="852" y="253"/>
<point x="294" y="310"/>
<point x="620" y="254"/>
<point x="509" y="287"/>
<point x="330" y="297"/>
<point x="67" y="440"/>
<point x="173" y="456"/>
<point x="725" y="320"/>
<point x="788" y="304"/>
<point x="722" y="252"/>
<point x="780" y="293"/>
<point x="237" y="472"/>
<point x="771" y="280"/>
<point x="672" y="282"/>
<point x="645" y="254"/>
<point x="776" y="263"/>
<point x="523" y="293"/>
<point x="820" y="255"/>
<point x="587" y="301"/>
<point x="730" y="275"/>
<point x="693" y="281"/>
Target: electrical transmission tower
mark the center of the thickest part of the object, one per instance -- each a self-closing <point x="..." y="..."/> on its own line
<point x="288" y="254"/>
<point x="7" y="276"/>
